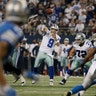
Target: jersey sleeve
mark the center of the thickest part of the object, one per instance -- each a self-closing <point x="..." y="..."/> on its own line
<point x="48" y="32"/>
<point x="11" y="37"/>
<point x="89" y="44"/>
<point x="74" y="44"/>
<point x="58" y="38"/>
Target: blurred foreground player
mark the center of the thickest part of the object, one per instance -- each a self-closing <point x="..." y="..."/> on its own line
<point x="10" y="35"/>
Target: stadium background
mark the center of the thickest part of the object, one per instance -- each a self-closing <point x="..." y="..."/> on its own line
<point x="67" y="14"/>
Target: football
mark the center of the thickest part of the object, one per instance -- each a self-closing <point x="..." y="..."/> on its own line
<point x="49" y="11"/>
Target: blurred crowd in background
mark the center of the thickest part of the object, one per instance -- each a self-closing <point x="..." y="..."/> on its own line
<point x="72" y="17"/>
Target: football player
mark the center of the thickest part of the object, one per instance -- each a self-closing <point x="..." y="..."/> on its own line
<point x="50" y="39"/>
<point x="80" y="49"/>
<point x="64" y="49"/>
<point x="90" y="78"/>
<point x="10" y="35"/>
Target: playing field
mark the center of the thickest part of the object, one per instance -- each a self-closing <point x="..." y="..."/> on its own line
<point x="42" y="88"/>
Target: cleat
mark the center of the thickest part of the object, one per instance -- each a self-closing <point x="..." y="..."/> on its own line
<point x="62" y="82"/>
<point x="23" y="83"/>
<point x="36" y="78"/>
<point x="68" y="94"/>
<point x="33" y="81"/>
<point x="51" y="83"/>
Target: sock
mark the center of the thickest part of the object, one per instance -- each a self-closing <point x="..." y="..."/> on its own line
<point x="66" y="76"/>
<point x="61" y="68"/>
<point x="22" y="78"/>
<point x="60" y="73"/>
<point x="77" y="89"/>
<point x="51" y="72"/>
<point x="51" y="80"/>
<point x="29" y="74"/>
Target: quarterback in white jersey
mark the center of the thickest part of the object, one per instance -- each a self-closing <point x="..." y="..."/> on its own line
<point x="50" y="39"/>
<point x="90" y="78"/>
<point x="64" y="50"/>
<point x="79" y="51"/>
<point x="48" y="42"/>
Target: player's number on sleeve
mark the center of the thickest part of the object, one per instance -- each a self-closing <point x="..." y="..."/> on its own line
<point x="50" y="43"/>
<point x="81" y="53"/>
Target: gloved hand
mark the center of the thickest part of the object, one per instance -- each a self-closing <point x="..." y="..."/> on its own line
<point x="11" y="92"/>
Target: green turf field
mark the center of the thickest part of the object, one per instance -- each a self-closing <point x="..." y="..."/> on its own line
<point x="42" y="88"/>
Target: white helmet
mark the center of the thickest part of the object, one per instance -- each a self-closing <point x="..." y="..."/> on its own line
<point x="16" y="11"/>
<point x="55" y="27"/>
<point x="80" y="38"/>
<point x="66" y="40"/>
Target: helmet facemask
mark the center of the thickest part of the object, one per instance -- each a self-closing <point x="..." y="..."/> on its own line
<point x="80" y="38"/>
<point x="54" y="29"/>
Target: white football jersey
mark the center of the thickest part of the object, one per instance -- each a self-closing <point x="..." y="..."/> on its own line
<point x="81" y="51"/>
<point x="65" y="50"/>
<point x="48" y="43"/>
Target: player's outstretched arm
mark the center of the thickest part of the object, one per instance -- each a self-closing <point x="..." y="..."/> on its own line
<point x="72" y="53"/>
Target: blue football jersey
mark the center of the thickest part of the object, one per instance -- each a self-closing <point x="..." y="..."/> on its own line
<point x="10" y="33"/>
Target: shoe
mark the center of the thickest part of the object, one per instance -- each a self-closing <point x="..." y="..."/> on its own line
<point x="36" y="78"/>
<point x="33" y="81"/>
<point x="62" y="82"/>
<point x="68" y="94"/>
<point x="51" y="83"/>
<point x="23" y="83"/>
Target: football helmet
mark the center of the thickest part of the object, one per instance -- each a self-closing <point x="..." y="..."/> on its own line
<point x="16" y="11"/>
<point x="80" y="38"/>
<point x="55" y="27"/>
<point x="66" y="40"/>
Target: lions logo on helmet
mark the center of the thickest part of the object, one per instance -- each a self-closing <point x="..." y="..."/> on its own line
<point x="16" y="11"/>
<point x="80" y="38"/>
